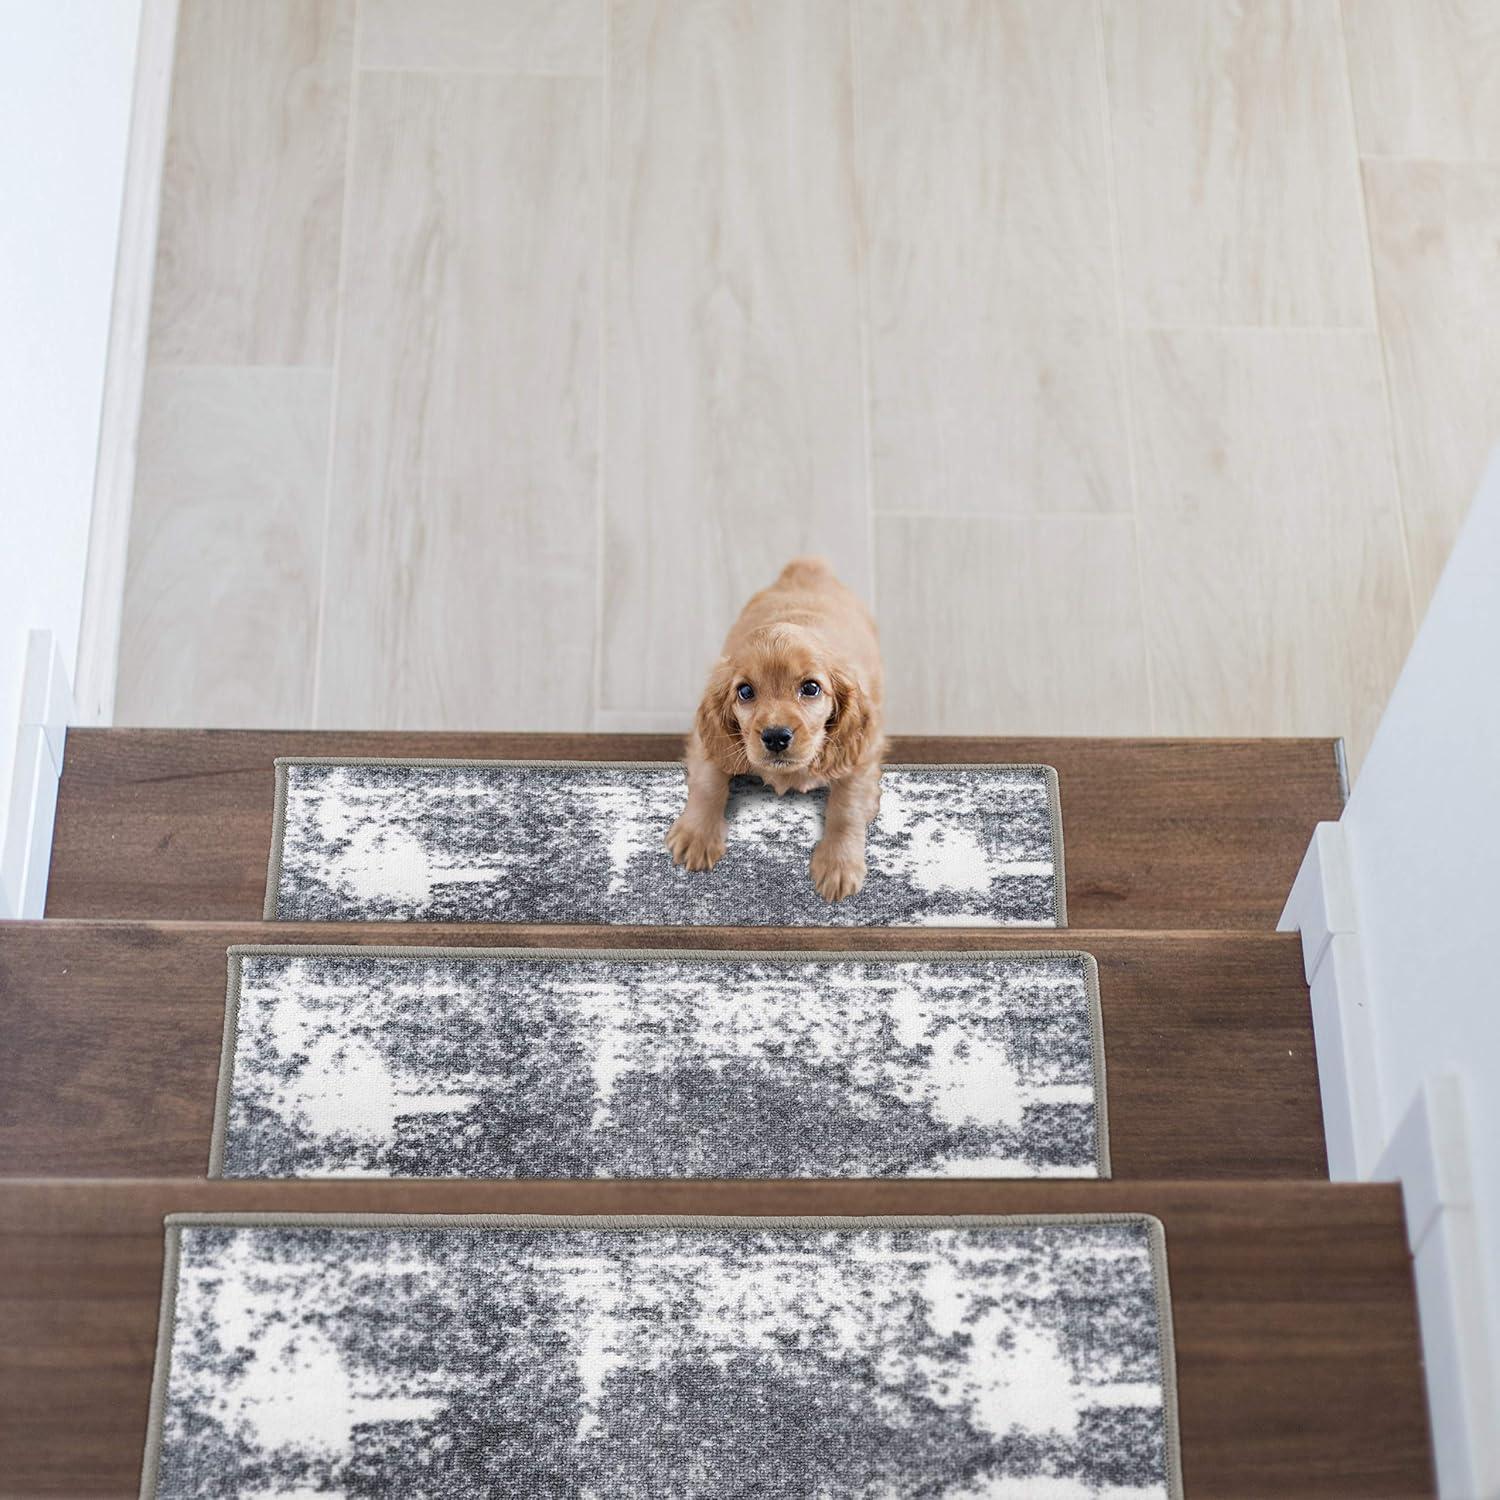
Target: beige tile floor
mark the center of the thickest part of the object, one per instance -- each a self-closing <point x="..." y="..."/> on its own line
<point x="1137" y="357"/>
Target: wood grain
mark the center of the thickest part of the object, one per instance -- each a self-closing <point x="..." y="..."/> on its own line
<point x="1017" y="652"/>
<point x="227" y="526"/>
<point x="538" y="37"/>
<point x="252" y="190"/>
<point x="1434" y="229"/>
<point x="1296" y="1334"/>
<point x="1426" y="78"/>
<point x="1158" y="833"/>
<point x="735" y="429"/>
<point x="461" y="536"/>
<point x="110" y="1033"/>
<point x="791" y="270"/>
<point x="996" y="372"/>
<point x="1228" y="626"/>
<point x="1237" y="180"/>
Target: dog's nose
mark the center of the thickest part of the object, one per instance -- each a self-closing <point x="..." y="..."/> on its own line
<point x="776" y="738"/>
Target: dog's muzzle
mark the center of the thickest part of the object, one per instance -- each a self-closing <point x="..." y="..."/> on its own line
<point x="776" y="739"/>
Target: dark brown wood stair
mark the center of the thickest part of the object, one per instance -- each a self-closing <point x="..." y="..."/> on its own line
<point x="1165" y="834"/>
<point x="1298" y="1358"/>
<point x="1297" y="1355"/>
<point x="109" y="1061"/>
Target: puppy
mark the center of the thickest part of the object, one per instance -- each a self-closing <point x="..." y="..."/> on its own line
<point x="796" y="699"/>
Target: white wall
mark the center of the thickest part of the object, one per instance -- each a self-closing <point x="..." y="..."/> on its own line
<point x="1398" y="904"/>
<point x="66" y="75"/>
<point x="1422" y="831"/>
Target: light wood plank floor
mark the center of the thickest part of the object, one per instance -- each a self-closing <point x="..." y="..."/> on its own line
<point x="1135" y="357"/>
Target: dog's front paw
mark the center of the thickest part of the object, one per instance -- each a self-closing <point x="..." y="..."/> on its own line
<point x="695" y="847"/>
<point x="838" y="869"/>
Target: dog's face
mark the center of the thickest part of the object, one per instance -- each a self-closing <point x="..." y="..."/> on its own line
<point x="781" y="696"/>
<point x="778" y="704"/>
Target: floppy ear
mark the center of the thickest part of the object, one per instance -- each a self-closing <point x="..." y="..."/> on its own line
<point x="847" y="737"/>
<point x="717" y="728"/>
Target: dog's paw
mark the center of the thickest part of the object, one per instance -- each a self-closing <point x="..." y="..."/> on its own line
<point x="838" y="870"/>
<point x="695" y="847"/>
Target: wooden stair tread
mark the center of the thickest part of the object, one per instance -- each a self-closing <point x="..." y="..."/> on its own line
<point x="1298" y="1355"/>
<point x="110" y="1036"/>
<point x="1159" y="833"/>
<point x="1298" y="1361"/>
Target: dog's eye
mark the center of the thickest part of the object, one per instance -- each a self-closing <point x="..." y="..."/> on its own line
<point x="745" y="692"/>
<point x="810" y="689"/>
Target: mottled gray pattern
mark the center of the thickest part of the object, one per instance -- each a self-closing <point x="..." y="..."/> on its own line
<point x="1017" y="1359"/>
<point x="443" y="1064"/>
<point x="520" y="842"/>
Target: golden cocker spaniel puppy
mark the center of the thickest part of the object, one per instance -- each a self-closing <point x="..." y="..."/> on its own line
<point x="796" y="699"/>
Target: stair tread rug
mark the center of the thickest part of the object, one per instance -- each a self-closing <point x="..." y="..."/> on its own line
<point x="1025" y="1357"/>
<point x="581" y="842"/>
<point x="500" y="1063"/>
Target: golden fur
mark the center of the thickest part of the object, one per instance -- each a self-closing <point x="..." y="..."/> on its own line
<point x="806" y="650"/>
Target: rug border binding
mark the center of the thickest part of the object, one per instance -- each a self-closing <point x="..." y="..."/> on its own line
<point x="237" y="952"/>
<point x="174" y="1223"/>
<point x="283" y="762"/>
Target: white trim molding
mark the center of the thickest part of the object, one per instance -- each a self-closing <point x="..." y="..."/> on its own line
<point x="1322" y="908"/>
<point x="46" y="709"/>
<point x="125" y="368"/>
<point x="1428" y="1153"/>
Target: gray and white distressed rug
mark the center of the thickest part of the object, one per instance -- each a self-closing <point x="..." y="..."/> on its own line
<point x="579" y="841"/>
<point x="1029" y="1359"/>
<point x="525" y="1063"/>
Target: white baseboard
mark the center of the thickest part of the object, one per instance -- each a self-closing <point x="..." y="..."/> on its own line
<point x="1322" y="899"/>
<point x="46" y="708"/>
<point x="125" y="367"/>
<point x="1321" y="907"/>
<point x="1348" y="1067"/>
<point x="1429" y="1155"/>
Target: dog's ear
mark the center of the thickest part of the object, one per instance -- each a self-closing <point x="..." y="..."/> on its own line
<point x="847" y="736"/>
<point x="718" y="729"/>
